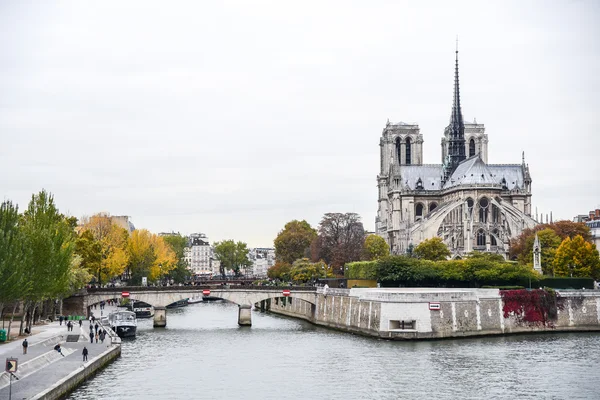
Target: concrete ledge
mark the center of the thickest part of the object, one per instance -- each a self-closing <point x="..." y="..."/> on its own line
<point x="75" y="378"/>
<point x="29" y="367"/>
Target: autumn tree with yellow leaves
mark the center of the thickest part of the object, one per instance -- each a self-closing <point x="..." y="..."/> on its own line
<point x="149" y="256"/>
<point x="113" y="245"/>
<point x="578" y="258"/>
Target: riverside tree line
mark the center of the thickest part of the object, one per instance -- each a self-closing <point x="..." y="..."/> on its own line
<point x="339" y="247"/>
<point x="46" y="256"/>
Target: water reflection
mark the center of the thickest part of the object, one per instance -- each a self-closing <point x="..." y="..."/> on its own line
<point x="203" y="353"/>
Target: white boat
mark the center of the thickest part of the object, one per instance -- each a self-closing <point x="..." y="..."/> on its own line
<point x="123" y="323"/>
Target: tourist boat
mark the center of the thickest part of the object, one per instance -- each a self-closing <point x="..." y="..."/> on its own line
<point x="123" y="323"/>
<point x="141" y="309"/>
<point x="195" y="300"/>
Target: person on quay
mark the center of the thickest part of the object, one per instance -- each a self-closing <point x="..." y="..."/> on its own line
<point x="57" y="348"/>
<point x="102" y="336"/>
<point x="91" y="336"/>
<point x="96" y="327"/>
<point x="25" y="346"/>
<point x="80" y="323"/>
<point x="84" y="353"/>
<point x="96" y="336"/>
<point x="60" y="319"/>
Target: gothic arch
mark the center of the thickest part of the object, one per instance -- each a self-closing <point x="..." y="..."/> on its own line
<point x="399" y="150"/>
<point x="471" y="147"/>
<point x="419" y="207"/>
<point x="432" y="206"/>
<point x="480" y="238"/>
<point x="408" y="159"/>
<point x="484" y="205"/>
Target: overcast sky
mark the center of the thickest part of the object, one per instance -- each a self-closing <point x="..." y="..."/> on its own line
<point x="233" y="117"/>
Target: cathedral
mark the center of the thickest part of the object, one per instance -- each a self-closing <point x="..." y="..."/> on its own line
<point x="470" y="204"/>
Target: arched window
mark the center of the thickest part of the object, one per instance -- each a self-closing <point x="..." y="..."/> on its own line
<point x="480" y="238"/>
<point x="471" y="147"/>
<point x="470" y="204"/>
<point x="493" y="236"/>
<point x="408" y="151"/>
<point x="419" y="211"/>
<point x="495" y="214"/>
<point x="483" y="209"/>
<point x="432" y="207"/>
<point x="398" y="150"/>
<point x="419" y="185"/>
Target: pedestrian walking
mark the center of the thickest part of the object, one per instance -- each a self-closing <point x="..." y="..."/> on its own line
<point x="85" y="353"/>
<point x="60" y="319"/>
<point x="80" y="323"/>
<point x="91" y="336"/>
<point x="102" y="336"/>
<point x="96" y="327"/>
<point x="25" y="346"/>
<point x="69" y="326"/>
<point x="96" y="337"/>
<point x="93" y="318"/>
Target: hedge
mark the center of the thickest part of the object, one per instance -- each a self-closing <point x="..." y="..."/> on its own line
<point x="361" y="270"/>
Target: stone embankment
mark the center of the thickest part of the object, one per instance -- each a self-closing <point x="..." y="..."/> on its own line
<point x="430" y="313"/>
<point x="43" y="373"/>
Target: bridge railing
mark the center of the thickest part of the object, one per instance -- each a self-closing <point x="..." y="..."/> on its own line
<point x="198" y="288"/>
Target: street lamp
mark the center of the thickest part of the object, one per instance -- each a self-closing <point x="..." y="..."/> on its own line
<point x="571" y="268"/>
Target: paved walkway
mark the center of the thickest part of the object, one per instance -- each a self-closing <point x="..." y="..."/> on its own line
<point x="45" y="377"/>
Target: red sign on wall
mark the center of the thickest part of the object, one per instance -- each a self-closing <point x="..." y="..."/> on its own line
<point x="124" y="294"/>
<point x="206" y="292"/>
<point x="285" y="292"/>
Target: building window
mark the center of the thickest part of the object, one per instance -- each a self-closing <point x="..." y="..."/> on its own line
<point x="493" y="236"/>
<point x="471" y="147"/>
<point x="470" y="203"/>
<point x="432" y="207"/>
<point x="408" y="151"/>
<point x="480" y="238"/>
<point x="398" y="150"/>
<point x="419" y="211"/>
<point x="495" y="214"/>
<point x="483" y="209"/>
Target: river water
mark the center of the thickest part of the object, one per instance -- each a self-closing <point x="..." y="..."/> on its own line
<point x="203" y="354"/>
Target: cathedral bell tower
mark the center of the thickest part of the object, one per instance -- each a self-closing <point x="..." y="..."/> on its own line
<point x="455" y="131"/>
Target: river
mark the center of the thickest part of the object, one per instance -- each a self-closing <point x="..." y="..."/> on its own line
<point x="203" y="354"/>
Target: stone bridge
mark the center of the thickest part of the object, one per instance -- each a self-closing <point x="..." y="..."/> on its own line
<point x="162" y="296"/>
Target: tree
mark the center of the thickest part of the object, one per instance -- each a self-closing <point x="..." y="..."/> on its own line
<point x="52" y="243"/>
<point x="280" y="270"/>
<point x="520" y="247"/>
<point x="341" y="239"/>
<point x="293" y="242"/>
<point x="13" y="256"/>
<point x="232" y="256"/>
<point x="376" y="247"/>
<point x="577" y="257"/>
<point x="113" y="241"/>
<point x="303" y="270"/>
<point x="178" y="243"/>
<point x="433" y="249"/>
<point x="89" y="250"/>
<point x="149" y="256"/>
<point x="549" y="242"/>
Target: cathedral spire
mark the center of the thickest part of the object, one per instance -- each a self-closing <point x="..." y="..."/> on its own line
<point x="456" y="130"/>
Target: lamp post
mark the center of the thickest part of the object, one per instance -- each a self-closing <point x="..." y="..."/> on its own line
<point x="571" y="268"/>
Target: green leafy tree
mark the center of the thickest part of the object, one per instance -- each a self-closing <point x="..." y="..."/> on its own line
<point x="52" y="244"/>
<point x="433" y="249"/>
<point x="14" y="254"/>
<point x="577" y="257"/>
<point x="549" y="242"/>
<point x="303" y="270"/>
<point x="376" y="247"/>
<point x="89" y="250"/>
<point x="293" y="242"/>
<point x="232" y="256"/>
<point x="178" y="243"/>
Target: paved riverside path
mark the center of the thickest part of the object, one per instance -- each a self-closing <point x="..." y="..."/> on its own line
<point x="47" y="376"/>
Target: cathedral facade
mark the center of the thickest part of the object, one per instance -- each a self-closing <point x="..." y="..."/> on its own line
<point x="470" y="204"/>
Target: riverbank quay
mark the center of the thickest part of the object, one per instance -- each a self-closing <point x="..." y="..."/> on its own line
<point x="437" y="313"/>
<point x="45" y="374"/>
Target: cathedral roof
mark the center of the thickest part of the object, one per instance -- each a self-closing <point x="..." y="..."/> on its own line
<point x="472" y="171"/>
<point x="429" y="174"/>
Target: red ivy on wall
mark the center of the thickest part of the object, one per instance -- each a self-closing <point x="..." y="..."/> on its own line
<point x="535" y="306"/>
